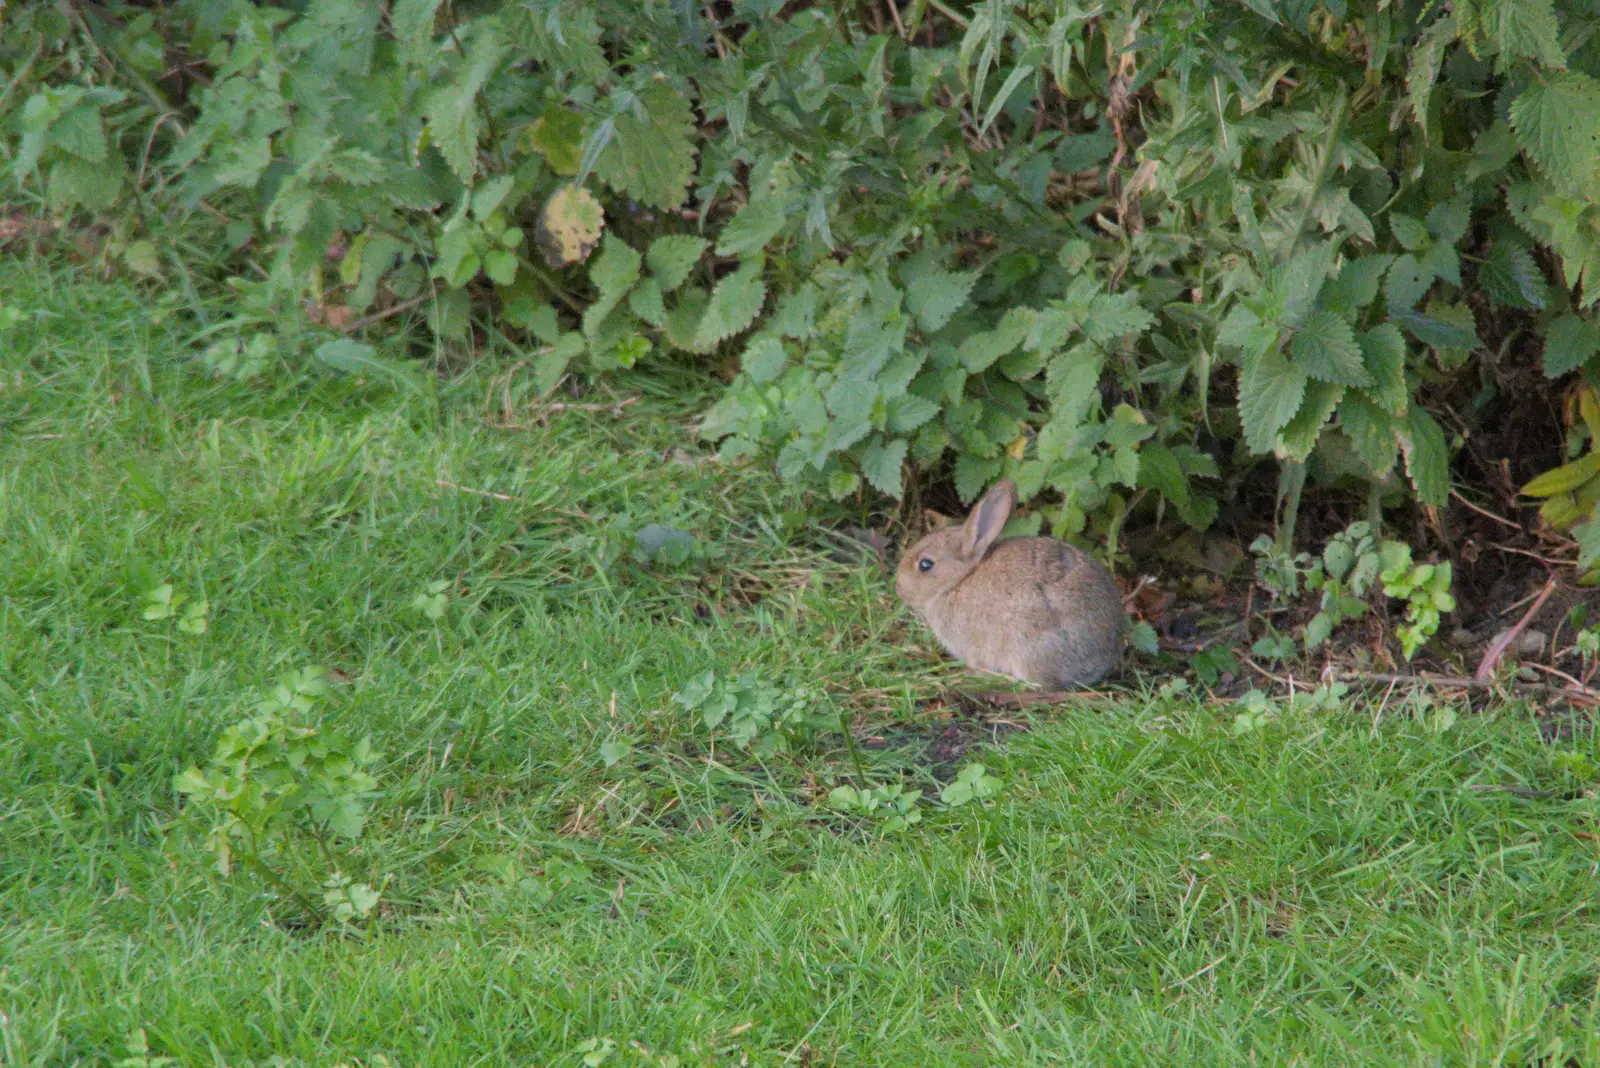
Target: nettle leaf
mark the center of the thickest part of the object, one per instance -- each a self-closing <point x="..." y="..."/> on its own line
<point x="1448" y="220"/>
<point x="882" y="464"/>
<point x="1356" y="285"/>
<point x="1427" y="458"/>
<point x="453" y="122"/>
<point x="757" y="223"/>
<point x="763" y="359"/>
<point x="1383" y="351"/>
<point x="1299" y="435"/>
<point x="671" y="258"/>
<point x="645" y="301"/>
<point x="1243" y="329"/>
<point x="1451" y="327"/>
<point x="1270" y="391"/>
<point x="1409" y="282"/>
<point x="734" y="305"/>
<point x="937" y="296"/>
<point x="1115" y="315"/>
<point x="909" y="412"/>
<point x="557" y="135"/>
<point x="1325" y="348"/>
<point x="1569" y="342"/>
<point x="1511" y="277"/>
<point x="1371" y="433"/>
<point x="972" y="475"/>
<point x="797" y="313"/>
<point x="985" y="347"/>
<point x="615" y="269"/>
<point x="1426" y="60"/>
<point x="1302" y="278"/>
<point x="1527" y="28"/>
<point x="1557" y="122"/>
<point x="652" y="160"/>
<point x="683" y="321"/>
<point x="1412" y="235"/>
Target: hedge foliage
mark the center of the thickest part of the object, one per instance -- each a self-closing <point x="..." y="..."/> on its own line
<point x="1117" y="251"/>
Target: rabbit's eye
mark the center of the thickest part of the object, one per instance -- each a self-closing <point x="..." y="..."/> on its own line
<point x="924" y="565"/>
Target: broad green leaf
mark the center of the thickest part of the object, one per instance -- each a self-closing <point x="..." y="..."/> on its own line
<point x="1115" y="315"/>
<point x="982" y="349"/>
<point x="557" y="135"/>
<point x="909" y="412"/>
<point x="356" y="357"/>
<point x="1427" y="458"/>
<point x="683" y="319"/>
<point x="763" y="359"/>
<point x="1569" y="342"/>
<point x="938" y="295"/>
<point x="1409" y="282"/>
<point x="1243" y="329"/>
<point x="1299" y="436"/>
<point x="973" y="474"/>
<point x="1302" y="278"/>
<point x="882" y="464"/>
<point x="1528" y="29"/>
<point x="652" y="160"/>
<point x="1557" y="122"/>
<point x="1371" y="433"/>
<point x="734" y="304"/>
<point x="1270" y="392"/>
<point x="1356" y="285"/>
<point x="1588" y="537"/>
<point x="500" y="266"/>
<point x="1383" y="351"/>
<point x="1423" y="70"/>
<point x="1411" y="234"/>
<point x="615" y="269"/>
<point x="645" y="301"/>
<point x="1325" y="348"/>
<point x="80" y="132"/>
<point x="1448" y="220"/>
<point x="671" y="258"/>
<point x="1449" y="328"/>
<point x="453" y="122"/>
<point x="797" y="313"/>
<point x="1511" y="277"/>
<point x="757" y="223"/>
<point x="1564" y="479"/>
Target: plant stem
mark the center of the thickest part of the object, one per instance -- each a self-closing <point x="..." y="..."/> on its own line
<point x="1291" y="480"/>
<point x="850" y="742"/>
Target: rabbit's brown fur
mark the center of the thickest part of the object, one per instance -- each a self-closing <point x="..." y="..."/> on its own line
<point x="1036" y="609"/>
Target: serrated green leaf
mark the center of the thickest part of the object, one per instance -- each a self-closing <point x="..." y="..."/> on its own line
<point x="615" y="269"/>
<point x="1270" y="392"/>
<point x="1557" y="122"/>
<point x="1371" y="433"/>
<point x="1569" y="342"/>
<point x="937" y="296"/>
<point x="1423" y="71"/>
<point x="1451" y="327"/>
<point x="671" y="258"/>
<point x="80" y="132"/>
<point x="1427" y="458"/>
<point x="1512" y="278"/>
<point x="757" y="223"/>
<point x="557" y="135"/>
<point x="683" y="319"/>
<point x="652" y="159"/>
<point x="1325" y="348"/>
<point x="1299" y="436"/>
<point x="645" y="301"/>
<point x="1356" y="285"/>
<point x="1527" y="28"/>
<point x="453" y="122"/>
<point x="763" y="359"/>
<point x="1302" y="279"/>
<point x="1409" y="281"/>
<point x="1116" y="315"/>
<point x="972" y="475"/>
<point x="882" y="464"/>
<point x="1243" y="329"/>
<point x="985" y="347"/>
<point x="1383" y="353"/>
<point x="734" y="305"/>
<point x="797" y="313"/>
<point x="1411" y="234"/>
<point x="908" y="412"/>
<point x="1159" y="470"/>
<point x="1448" y="220"/>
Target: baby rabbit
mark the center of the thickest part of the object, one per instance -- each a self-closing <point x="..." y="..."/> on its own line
<point x="1036" y="609"/>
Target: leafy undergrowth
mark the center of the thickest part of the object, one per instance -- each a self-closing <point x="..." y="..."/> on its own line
<point x="572" y="868"/>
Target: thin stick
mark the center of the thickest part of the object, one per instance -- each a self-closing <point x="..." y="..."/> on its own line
<point x="1547" y="561"/>
<point x="1577" y="687"/>
<point x="1497" y="648"/>
<point x="378" y="317"/>
<point x="1502" y="520"/>
<point x="895" y="12"/>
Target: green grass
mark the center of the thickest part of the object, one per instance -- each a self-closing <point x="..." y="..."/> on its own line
<point x="1149" y="887"/>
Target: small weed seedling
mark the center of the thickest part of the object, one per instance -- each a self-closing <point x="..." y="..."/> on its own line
<point x="972" y="783"/>
<point x="163" y="602"/>
<point x="279" y="790"/>
<point x="894" y="807"/>
<point x="433" y="600"/>
<point x="755" y="716"/>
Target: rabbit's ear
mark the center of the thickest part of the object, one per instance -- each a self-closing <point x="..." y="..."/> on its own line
<point x="988" y="518"/>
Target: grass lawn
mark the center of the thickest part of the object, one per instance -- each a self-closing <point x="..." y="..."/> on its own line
<point x="1150" y="886"/>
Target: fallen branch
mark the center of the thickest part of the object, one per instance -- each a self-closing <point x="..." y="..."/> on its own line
<point x="1498" y="647"/>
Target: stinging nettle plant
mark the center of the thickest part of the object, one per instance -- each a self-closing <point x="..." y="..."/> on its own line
<point x="1112" y="251"/>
